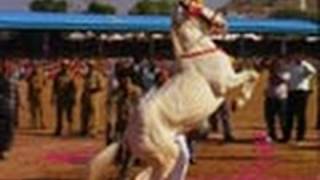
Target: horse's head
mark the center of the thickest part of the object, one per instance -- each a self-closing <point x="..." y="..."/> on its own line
<point x="214" y="19"/>
<point x="218" y="24"/>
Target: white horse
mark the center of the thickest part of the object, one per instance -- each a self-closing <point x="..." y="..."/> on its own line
<point x="155" y="134"/>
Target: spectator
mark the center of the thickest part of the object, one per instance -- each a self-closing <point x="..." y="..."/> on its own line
<point x="14" y="77"/>
<point x="223" y="115"/>
<point x="276" y="99"/>
<point x="6" y="114"/>
<point x="148" y="75"/>
<point x="64" y="92"/>
<point x="301" y="73"/>
<point x="35" y="88"/>
<point x="90" y="100"/>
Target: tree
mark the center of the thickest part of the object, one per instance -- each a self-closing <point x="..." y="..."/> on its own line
<point x="49" y="5"/>
<point x="295" y="14"/>
<point x="159" y="7"/>
<point x="101" y="8"/>
<point x="165" y="7"/>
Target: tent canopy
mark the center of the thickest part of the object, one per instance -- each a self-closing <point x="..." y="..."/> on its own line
<point x="11" y="20"/>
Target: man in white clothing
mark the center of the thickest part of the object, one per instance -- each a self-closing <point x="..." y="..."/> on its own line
<point x="301" y="73"/>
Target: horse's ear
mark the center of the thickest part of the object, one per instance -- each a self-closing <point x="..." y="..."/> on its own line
<point x="223" y="11"/>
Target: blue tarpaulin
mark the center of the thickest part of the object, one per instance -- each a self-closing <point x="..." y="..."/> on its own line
<point x="10" y="20"/>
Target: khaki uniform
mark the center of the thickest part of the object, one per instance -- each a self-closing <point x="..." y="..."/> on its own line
<point x="64" y="92"/>
<point x="123" y="101"/>
<point x="91" y="101"/>
<point x="35" y="87"/>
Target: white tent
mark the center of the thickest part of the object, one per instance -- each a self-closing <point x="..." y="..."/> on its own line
<point x="116" y="37"/>
<point x="76" y="36"/>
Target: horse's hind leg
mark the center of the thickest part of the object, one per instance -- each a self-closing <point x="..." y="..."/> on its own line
<point x="102" y="161"/>
<point x="159" y="170"/>
<point x="162" y="170"/>
<point x="161" y="166"/>
<point x="145" y="174"/>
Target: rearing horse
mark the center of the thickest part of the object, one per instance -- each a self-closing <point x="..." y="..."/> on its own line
<point x="155" y="132"/>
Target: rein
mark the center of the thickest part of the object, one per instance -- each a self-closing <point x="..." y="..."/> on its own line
<point x="199" y="53"/>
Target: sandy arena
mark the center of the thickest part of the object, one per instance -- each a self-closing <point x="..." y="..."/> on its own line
<point x="37" y="155"/>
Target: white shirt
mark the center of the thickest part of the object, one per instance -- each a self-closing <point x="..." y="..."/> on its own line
<point x="301" y="75"/>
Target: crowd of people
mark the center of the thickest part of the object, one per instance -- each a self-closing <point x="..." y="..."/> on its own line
<point x="91" y="86"/>
<point x="117" y="84"/>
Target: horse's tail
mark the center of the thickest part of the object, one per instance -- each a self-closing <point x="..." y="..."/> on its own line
<point x="103" y="160"/>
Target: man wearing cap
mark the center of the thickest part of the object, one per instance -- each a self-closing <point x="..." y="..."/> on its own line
<point x="64" y="92"/>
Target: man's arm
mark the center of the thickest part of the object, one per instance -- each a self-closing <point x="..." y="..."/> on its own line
<point x="310" y="69"/>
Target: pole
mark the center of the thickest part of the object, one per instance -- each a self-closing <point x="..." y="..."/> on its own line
<point x="284" y="47"/>
<point x="151" y="46"/>
<point x="242" y="46"/>
<point x="100" y="44"/>
<point x="46" y="44"/>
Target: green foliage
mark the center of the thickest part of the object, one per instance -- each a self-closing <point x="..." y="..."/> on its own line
<point x="262" y="2"/>
<point x="101" y="8"/>
<point x="295" y="14"/>
<point x="49" y="5"/>
<point x="152" y="7"/>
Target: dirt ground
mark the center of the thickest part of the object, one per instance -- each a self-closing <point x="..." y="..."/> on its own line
<point x="37" y="155"/>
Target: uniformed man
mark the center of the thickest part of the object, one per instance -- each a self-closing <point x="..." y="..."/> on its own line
<point x="117" y="99"/>
<point x="35" y="87"/>
<point x="125" y="97"/>
<point x="6" y="114"/>
<point x="90" y="100"/>
<point x="126" y="94"/>
<point x="14" y="76"/>
<point x="64" y="97"/>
